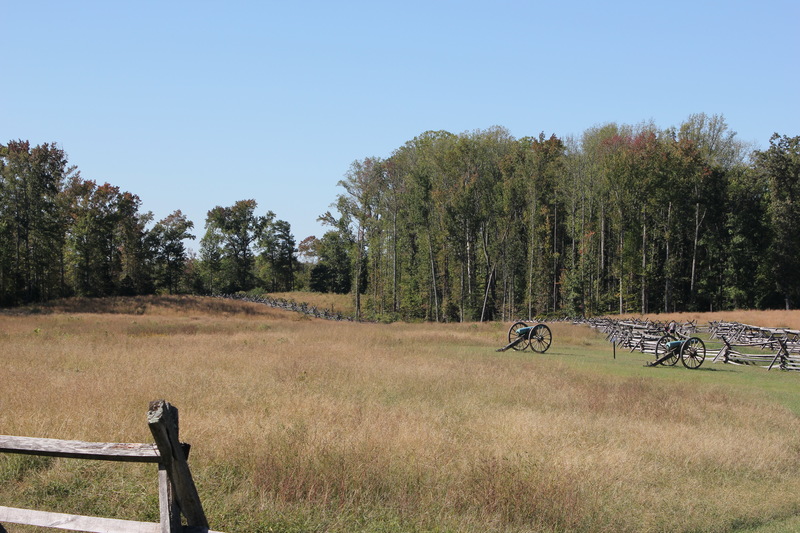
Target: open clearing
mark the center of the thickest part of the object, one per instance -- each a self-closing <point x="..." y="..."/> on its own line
<point x="309" y="425"/>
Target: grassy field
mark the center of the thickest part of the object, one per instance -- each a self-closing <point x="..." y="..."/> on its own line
<point x="307" y="425"/>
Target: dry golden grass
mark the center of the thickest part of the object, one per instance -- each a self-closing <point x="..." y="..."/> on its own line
<point x="307" y="425"/>
<point x="768" y="319"/>
<point x="336" y="303"/>
<point x="174" y="305"/>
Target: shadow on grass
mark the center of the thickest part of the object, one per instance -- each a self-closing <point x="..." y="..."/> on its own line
<point x="560" y="354"/>
<point x="701" y="369"/>
<point x="717" y="369"/>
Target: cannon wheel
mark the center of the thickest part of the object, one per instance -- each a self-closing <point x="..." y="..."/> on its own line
<point x="539" y="338"/>
<point x="693" y="353"/>
<point x="661" y="351"/>
<point x="513" y="335"/>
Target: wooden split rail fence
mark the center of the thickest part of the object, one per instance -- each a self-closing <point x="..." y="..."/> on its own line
<point x="638" y="335"/>
<point x="746" y="344"/>
<point x="177" y="493"/>
<point x="289" y="305"/>
<point x="742" y="344"/>
<point x="746" y="333"/>
<point x="754" y="354"/>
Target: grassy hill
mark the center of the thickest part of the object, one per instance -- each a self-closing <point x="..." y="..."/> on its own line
<point x="299" y="424"/>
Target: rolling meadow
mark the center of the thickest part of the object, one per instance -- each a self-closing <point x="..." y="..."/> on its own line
<point x="306" y="425"/>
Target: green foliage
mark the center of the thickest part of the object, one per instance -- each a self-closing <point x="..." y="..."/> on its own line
<point x="105" y="249"/>
<point x="332" y="272"/>
<point x="230" y="242"/>
<point x="482" y="226"/>
<point x="475" y="226"/>
<point x="278" y="262"/>
<point x="32" y="221"/>
<point x="780" y="165"/>
<point x="169" y="253"/>
<point x="61" y="235"/>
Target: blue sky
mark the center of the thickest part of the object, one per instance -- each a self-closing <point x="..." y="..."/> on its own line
<point x="191" y="105"/>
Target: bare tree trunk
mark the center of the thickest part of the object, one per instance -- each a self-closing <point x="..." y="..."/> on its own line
<point x="601" y="273"/>
<point x="644" y="264"/>
<point x="358" y="274"/>
<point x="433" y="280"/>
<point x="667" y="285"/>
<point x="698" y="220"/>
<point x="555" y="256"/>
<point x="485" y="245"/>
<point x="461" y="296"/>
<point x="469" y="270"/>
<point x="531" y="254"/>
<point x="394" y="263"/>
<point x="486" y="294"/>
<point x="621" y="270"/>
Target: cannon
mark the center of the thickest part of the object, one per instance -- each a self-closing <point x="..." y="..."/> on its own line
<point x="671" y="347"/>
<point x="521" y="336"/>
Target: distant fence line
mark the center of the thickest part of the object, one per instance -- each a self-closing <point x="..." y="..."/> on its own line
<point x="742" y="344"/>
<point x="290" y="305"/>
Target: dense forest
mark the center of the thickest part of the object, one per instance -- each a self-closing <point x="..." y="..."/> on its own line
<point x="62" y="235"/>
<point x="474" y="226"/>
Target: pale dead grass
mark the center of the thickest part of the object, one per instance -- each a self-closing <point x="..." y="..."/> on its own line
<point x="336" y="303"/>
<point x="171" y="305"/>
<point x="768" y="319"/>
<point x="422" y="426"/>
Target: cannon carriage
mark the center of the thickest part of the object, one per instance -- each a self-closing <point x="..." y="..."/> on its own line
<point x="522" y="336"/>
<point x="673" y="346"/>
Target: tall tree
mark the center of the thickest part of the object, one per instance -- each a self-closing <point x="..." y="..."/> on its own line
<point x="333" y="270"/>
<point x="167" y="239"/>
<point x="780" y="164"/>
<point x="32" y="221"/>
<point x="104" y="239"/>
<point x="212" y="260"/>
<point x="236" y="230"/>
<point x="359" y="204"/>
<point x="716" y="143"/>
<point x="747" y="269"/>
<point x="278" y="260"/>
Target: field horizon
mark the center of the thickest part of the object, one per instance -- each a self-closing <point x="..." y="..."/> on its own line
<point x="301" y="424"/>
<point x="769" y="318"/>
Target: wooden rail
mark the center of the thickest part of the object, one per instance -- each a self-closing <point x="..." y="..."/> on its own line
<point x="744" y="354"/>
<point x="177" y="493"/>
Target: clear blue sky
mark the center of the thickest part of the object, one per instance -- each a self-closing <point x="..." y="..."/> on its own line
<point x="196" y="104"/>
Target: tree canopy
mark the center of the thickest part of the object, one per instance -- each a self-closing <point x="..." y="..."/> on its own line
<point x="448" y="227"/>
<point x="482" y="226"/>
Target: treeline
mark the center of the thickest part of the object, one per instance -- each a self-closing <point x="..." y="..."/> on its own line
<point x="483" y="226"/>
<point x="62" y="235"/>
<point x="476" y="226"/>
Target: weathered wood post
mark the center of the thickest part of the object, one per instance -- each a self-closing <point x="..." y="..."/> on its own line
<point x="176" y="489"/>
<point x="782" y="352"/>
<point x="175" y="478"/>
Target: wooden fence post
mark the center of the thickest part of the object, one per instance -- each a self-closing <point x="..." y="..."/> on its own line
<point x="168" y="508"/>
<point x="163" y="421"/>
<point x="176" y="490"/>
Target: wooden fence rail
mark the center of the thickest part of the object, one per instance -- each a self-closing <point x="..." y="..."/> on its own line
<point x="177" y="494"/>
